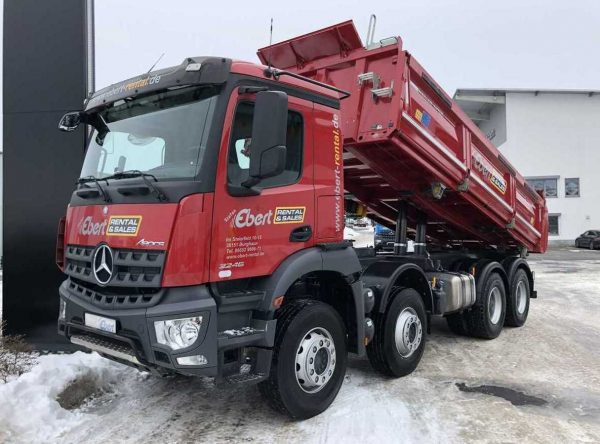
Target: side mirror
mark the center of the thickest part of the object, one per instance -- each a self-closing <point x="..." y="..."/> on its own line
<point x="269" y="131"/>
<point x="70" y="121"/>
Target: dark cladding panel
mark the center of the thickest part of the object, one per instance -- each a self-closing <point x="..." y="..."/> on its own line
<point x="44" y="55"/>
<point x="44" y="77"/>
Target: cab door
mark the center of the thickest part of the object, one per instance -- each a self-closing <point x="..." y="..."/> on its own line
<point x="253" y="234"/>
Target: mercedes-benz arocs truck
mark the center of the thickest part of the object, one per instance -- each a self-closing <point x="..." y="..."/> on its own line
<point x="205" y="235"/>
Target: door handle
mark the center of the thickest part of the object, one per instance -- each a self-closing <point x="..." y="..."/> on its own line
<point x="301" y="234"/>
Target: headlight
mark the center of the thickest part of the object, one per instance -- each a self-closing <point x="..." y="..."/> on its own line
<point x="178" y="333"/>
<point x="62" y="309"/>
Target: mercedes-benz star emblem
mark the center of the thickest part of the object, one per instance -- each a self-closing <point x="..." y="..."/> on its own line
<point x="102" y="265"/>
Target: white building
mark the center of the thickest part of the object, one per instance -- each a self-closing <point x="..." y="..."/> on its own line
<point x="552" y="137"/>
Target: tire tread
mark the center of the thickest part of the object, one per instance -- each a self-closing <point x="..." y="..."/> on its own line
<point x="285" y="315"/>
<point x="375" y="352"/>
<point x="477" y="316"/>
<point x="511" y="315"/>
<point x="458" y="324"/>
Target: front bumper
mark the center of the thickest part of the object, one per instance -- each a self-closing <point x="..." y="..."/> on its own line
<point x="135" y="340"/>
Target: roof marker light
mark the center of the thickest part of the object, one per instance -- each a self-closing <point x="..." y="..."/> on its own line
<point x="193" y="67"/>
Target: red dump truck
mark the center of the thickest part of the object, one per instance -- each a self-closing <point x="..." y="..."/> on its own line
<point x="205" y="235"/>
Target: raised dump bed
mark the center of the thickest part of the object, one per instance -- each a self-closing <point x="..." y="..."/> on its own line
<point x="405" y="139"/>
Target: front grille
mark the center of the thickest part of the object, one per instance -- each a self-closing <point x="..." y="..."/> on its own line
<point x="131" y="268"/>
<point x="387" y="237"/>
<point x="105" y="298"/>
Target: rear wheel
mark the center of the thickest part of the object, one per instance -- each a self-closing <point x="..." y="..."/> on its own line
<point x="400" y="334"/>
<point x="517" y="302"/>
<point x="458" y="324"/>
<point x="486" y="318"/>
<point x="309" y="359"/>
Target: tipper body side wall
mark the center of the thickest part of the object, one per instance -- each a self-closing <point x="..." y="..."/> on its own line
<point x="405" y="138"/>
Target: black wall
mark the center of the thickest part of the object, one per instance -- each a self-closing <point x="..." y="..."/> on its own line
<point x="44" y="77"/>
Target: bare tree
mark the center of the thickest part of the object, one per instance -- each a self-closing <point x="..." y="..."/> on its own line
<point x="16" y="356"/>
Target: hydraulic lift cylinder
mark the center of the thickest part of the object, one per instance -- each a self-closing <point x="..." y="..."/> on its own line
<point x="420" y="238"/>
<point x="400" y="245"/>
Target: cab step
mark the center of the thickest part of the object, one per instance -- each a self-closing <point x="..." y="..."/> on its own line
<point x="244" y="378"/>
<point x="259" y="333"/>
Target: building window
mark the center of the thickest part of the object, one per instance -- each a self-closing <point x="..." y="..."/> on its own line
<point x="572" y="187"/>
<point x="553" y="224"/>
<point x="549" y="185"/>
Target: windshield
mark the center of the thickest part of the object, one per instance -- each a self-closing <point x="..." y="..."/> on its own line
<point x="162" y="134"/>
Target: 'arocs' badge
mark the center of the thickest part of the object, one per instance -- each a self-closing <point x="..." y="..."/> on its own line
<point x="289" y="215"/>
<point x="123" y="225"/>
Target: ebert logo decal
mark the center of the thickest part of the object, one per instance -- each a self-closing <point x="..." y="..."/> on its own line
<point x="489" y="172"/>
<point x="123" y="225"/>
<point x="289" y="215"/>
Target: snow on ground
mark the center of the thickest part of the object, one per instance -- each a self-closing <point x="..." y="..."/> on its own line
<point x="554" y="357"/>
<point x="362" y="237"/>
<point x="29" y="410"/>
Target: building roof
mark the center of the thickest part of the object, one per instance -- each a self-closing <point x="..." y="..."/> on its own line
<point x="479" y="102"/>
<point x="503" y="91"/>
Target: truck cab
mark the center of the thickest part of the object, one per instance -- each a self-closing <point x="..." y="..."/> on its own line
<point x="210" y="193"/>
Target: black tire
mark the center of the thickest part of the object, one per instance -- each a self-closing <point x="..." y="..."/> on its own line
<point x="457" y="323"/>
<point x="382" y="350"/>
<point x="282" y="389"/>
<point x="519" y="282"/>
<point x="479" y="317"/>
<point x="591" y="245"/>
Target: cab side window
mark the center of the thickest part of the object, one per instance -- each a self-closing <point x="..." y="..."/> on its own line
<point x="240" y="148"/>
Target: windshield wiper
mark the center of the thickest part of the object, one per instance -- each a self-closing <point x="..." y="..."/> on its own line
<point x="137" y="173"/>
<point x="86" y="179"/>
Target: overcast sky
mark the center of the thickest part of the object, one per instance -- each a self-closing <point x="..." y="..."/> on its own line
<point x="462" y="43"/>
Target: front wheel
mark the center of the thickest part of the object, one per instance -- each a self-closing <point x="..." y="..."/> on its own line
<point x="309" y="359"/>
<point x="400" y="333"/>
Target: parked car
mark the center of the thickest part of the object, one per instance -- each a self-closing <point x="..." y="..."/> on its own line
<point x="362" y="222"/>
<point x="590" y="239"/>
<point x="384" y="238"/>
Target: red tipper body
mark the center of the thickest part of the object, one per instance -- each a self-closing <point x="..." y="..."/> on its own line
<point x="403" y="136"/>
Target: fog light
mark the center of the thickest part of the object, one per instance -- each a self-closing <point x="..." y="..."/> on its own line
<point x="62" y="310"/>
<point x="178" y="333"/>
<point x="192" y="360"/>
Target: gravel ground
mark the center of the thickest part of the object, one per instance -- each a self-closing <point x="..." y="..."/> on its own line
<point x="539" y="384"/>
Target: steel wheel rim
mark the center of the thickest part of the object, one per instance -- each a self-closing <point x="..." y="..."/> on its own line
<point x="408" y="333"/>
<point x="494" y="305"/>
<point x="315" y="360"/>
<point x="521" y="297"/>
